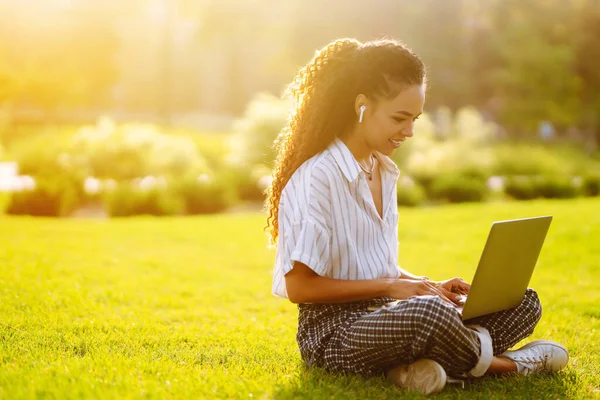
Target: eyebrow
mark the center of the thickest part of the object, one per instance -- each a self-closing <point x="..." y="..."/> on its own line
<point x="406" y="113"/>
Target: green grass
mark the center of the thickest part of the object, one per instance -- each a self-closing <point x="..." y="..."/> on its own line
<point x="181" y="307"/>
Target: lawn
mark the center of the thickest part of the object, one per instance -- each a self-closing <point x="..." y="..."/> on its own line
<point x="181" y="307"/>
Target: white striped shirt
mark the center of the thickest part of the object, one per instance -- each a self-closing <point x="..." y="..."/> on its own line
<point x="328" y="220"/>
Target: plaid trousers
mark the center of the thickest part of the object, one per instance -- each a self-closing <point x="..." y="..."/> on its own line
<point x="348" y="337"/>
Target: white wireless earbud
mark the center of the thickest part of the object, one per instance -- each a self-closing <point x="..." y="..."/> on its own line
<point x="362" y="111"/>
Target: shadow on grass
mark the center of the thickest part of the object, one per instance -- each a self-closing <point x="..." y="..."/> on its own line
<point x="316" y="383"/>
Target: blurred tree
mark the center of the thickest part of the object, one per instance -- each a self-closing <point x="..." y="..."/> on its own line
<point x="434" y="29"/>
<point x="587" y="65"/>
<point x="437" y="31"/>
<point x="229" y="25"/>
<point x="157" y="59"/>
<point x="56" y="54"/>
<point x="520" y="62"/>
<point x="239" y="39"/>
<point x="530" y="74"/>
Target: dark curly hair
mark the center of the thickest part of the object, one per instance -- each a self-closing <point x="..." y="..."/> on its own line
<point x="324" y="92"/>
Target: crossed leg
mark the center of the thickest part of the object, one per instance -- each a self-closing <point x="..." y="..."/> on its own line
<point x="427" y="327"/>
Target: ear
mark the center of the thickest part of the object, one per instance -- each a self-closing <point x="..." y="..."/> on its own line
<point x="361" y="100"/>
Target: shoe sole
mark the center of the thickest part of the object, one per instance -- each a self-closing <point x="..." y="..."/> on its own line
<point x="424" y="376"/>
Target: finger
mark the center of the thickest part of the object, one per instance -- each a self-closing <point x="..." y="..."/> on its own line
<point x="441" y="295"/>
<point x="449" y="285"/>
<point x="457" y="285"/>
<point x="431" y="284"/>
<point x="464" y="287"/>
<point x="455" y="297"/>
<point x="436" y="293"/>
<point x="452" y="300"/>
<point x="432" y="289"/>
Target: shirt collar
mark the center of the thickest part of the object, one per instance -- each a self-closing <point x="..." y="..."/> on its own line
<point x="348" y="164"/>
<point x="388" y="164"/>
<point x="344" y="159"/>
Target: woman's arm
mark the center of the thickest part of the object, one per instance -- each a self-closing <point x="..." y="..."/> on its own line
<point x="404" y="274"/>
<point x="306" y="286"/>
<point x="447" y="287"/>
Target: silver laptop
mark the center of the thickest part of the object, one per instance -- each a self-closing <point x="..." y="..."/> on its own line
<point x="506" y="266"/>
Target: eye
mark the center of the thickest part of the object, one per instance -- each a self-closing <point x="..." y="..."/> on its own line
<point x="400" y="120"/>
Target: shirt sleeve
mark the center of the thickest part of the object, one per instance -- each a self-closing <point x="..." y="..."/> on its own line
<point x="305" y="234"/>
<point x="310" y="246"/>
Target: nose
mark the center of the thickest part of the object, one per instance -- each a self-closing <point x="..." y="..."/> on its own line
<point x="408" y="131"/>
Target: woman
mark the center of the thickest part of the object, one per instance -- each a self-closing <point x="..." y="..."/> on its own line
<point x="333" y="211"/>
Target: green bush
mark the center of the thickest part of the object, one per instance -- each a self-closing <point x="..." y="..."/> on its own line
<point x="555" y="187"/>
<point x="410" y="193"/>
<point x="528" y="159"/>
<point x="127" y="200"/>
<point x="248" y="189"/>
<point x="591" y="184"/>
<point x="477" y="172"/>
<point x="203" y="195"/>
<point x="252" y="142"/>
<point x="469" y="125"/>
<point x="51" y="197"/>
<point x="547" y="186"/>
<point x="130" y="151"/>
<point x="450" y="158"/>
<point x="424" y="180"/>
<point x="59" y="182"/>
<point x="457" y="188"/>
<point x="248" y="182"/>
<point x="214" y="147"/>
<point x="44" y="155"/>
<point x="520" y="188"/>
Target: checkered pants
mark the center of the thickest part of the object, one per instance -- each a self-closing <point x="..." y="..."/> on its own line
<point x="348" y="337"/>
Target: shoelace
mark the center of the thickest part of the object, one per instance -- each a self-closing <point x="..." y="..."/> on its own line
<point x="460" y="382"/>
<point x="532" y="363"/>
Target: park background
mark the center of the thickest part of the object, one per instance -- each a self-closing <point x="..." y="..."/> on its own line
<point x="167" y="108"/>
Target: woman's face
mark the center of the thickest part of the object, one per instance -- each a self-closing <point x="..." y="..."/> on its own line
<point x="387" y="123"/>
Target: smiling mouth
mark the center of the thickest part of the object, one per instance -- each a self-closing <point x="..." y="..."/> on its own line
<point x="396" y="142"/>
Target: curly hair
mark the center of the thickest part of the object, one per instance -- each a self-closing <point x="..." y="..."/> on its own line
<point x="324" y="91"/>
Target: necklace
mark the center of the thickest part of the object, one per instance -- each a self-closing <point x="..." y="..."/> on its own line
<point x="369" y="171"/>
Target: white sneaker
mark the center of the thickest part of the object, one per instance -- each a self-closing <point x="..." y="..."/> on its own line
<point x="424" y="375"/>
<point x="538" y="356"/>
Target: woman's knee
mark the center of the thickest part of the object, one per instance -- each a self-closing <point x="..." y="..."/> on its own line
<point x="531" y="305"/>
<point x="434" y="316"/>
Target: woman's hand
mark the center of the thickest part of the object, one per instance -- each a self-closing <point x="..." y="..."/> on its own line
<point x="403" y="289"/>
<point x="453" y="288"/>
